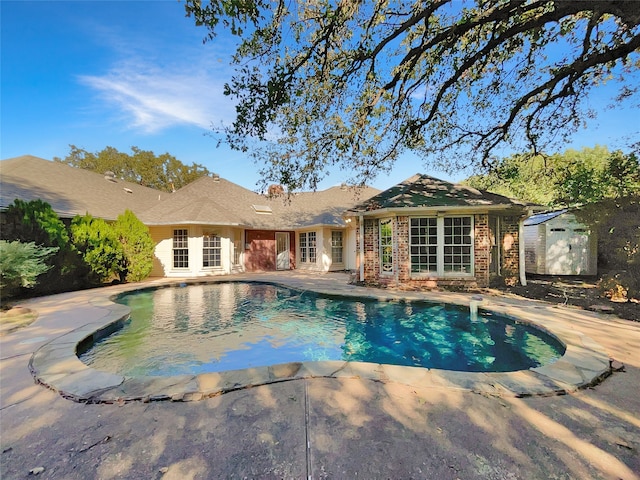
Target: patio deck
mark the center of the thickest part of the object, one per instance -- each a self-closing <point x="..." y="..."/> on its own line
<point x="359" y="421"/>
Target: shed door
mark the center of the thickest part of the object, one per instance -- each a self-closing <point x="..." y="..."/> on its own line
<point x="579" y="247"/>
<point x="567" y="251"/>
<point x="282" y="251"/>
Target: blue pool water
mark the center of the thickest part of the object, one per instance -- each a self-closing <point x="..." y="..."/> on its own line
<point x="226" y="326"/>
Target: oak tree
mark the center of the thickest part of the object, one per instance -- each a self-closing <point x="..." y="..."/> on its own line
<point x="162" y="172"/>
<point x="353" y="84"/>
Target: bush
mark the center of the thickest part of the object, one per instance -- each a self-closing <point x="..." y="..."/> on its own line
<point x="137" y="246"/>
<point x="617" y="223"/>
<point x="98" y="244"/>
<point x="36" y="222"/>
<point x="21" y="264"/>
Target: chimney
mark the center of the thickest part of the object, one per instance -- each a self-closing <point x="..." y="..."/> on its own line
<point x="275" y="190"/>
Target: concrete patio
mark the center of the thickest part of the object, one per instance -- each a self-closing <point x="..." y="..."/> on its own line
<point x="351" y="425"/>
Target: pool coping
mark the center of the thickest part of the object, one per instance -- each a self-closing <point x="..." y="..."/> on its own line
<point x="57" y="366"/>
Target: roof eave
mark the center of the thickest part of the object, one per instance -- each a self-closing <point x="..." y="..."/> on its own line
<point x="441" y="208"/>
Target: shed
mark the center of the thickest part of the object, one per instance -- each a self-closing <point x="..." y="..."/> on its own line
<point x="556" y="243"/>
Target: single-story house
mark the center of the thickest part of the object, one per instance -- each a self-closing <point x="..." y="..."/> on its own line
<point x="209" y="227"/>
<point x="213" y="226"/>
<point x="426" y="232"/>
<point x="423" y="232"/>
<point x="556" y="243"/>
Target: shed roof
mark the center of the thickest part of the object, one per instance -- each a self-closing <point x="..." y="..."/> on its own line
<point x="71" y="191"/>
<point x="423" y="191"/>
<point x="543" y="217"/>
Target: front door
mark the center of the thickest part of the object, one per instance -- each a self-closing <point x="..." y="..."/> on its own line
<point x="282" y="251"/>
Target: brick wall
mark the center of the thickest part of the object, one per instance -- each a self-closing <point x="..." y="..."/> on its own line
<point x="401" y="277"/>
<point x="482" y="249"/>
<point x="509" y="233"/>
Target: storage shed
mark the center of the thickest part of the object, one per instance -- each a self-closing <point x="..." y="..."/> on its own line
<point x="556" y="243"/>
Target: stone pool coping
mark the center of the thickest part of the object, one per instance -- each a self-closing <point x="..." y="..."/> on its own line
<point x="56" y="365"/>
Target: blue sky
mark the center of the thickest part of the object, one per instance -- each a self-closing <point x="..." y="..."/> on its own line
<point x="136" y="73"/>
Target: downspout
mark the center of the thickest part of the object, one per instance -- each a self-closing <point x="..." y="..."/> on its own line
<point x="521" y="263"/>
<point x="361" y="252"/>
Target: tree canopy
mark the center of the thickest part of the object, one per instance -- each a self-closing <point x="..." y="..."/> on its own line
<point x="354" y="84"/>
<point x="575" y="177"/>
<point x="162" y="172"/>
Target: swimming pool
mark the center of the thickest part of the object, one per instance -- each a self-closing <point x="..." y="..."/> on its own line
<point x="234" y="325"/>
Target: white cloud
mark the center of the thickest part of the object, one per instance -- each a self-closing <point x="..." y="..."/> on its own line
<point x="154" y="98"/>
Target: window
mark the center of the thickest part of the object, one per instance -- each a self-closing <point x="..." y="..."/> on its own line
<point x="336" y="246"/>
<point x="236" y="252"/>
<point x="424" y="245"/>
<point x="441" y="246"/>
<point x="386" y="245"/>
<point x="180" y="248"/>
<point x="211" y="250"/>
<point x="308" y="247"/>
<point x="457" y="244"/>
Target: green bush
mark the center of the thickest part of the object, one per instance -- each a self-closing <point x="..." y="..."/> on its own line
<point x="21" y="264"/>
<point x="36" y="222"/>
<point x="98" y="244"/>
<point x="617" y="223"/>
<point x="137" y="245"/>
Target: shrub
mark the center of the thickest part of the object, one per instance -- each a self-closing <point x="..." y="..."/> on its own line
<point x="137" y="246"/>
<point x="36" y="222"/>
<point x="98" y="244"/>
<point x="21" y="264"/>
<point x="617" y="223"/>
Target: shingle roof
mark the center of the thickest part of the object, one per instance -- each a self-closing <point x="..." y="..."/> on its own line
<point x="220" y="202"/>
<point x="208" y="201"/>
<point x="423" y="191"/>
<point x="71" y="191"/>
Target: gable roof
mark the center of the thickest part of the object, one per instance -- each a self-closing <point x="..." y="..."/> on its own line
<point x="71" y="191"/>
<point x="422" y="191"/>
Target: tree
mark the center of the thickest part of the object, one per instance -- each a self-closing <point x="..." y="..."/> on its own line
<point x="574" y="177"/>
<point x="35" y="221"/>
<point x="21" y="264"/>
<point x="162" y="172"/>
<point x="99" y="246"/>
<point x="356" y="83"/>
<point x="137" y="246"/>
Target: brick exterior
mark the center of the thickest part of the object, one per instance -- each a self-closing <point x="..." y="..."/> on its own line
<point x="509" y="233"/>
<point x="401" y="275"/>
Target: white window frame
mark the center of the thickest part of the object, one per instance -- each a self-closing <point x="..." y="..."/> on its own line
<point x="386" y="242"/>
<point x="180" y="243"/>
<point x="446" y="251"/>
<point x="337" y="248"/>
<point x="308" y="247"/>
<point x="208" y="250"/>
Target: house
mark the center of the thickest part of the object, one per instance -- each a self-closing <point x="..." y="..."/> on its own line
<point x="556" y="243"/>
<point x="424" y="233"/>
<point x="213" y="226"/>
<point x="71" y="191"/>
<point x="209" y="227"/>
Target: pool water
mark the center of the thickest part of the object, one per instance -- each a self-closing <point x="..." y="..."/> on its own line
<point x="232" y="325"/>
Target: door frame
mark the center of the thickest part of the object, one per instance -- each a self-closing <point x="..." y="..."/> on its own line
<point x="288" y="250"/>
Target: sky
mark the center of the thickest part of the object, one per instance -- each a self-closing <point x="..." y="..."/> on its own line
<point x="126" y="73"/>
